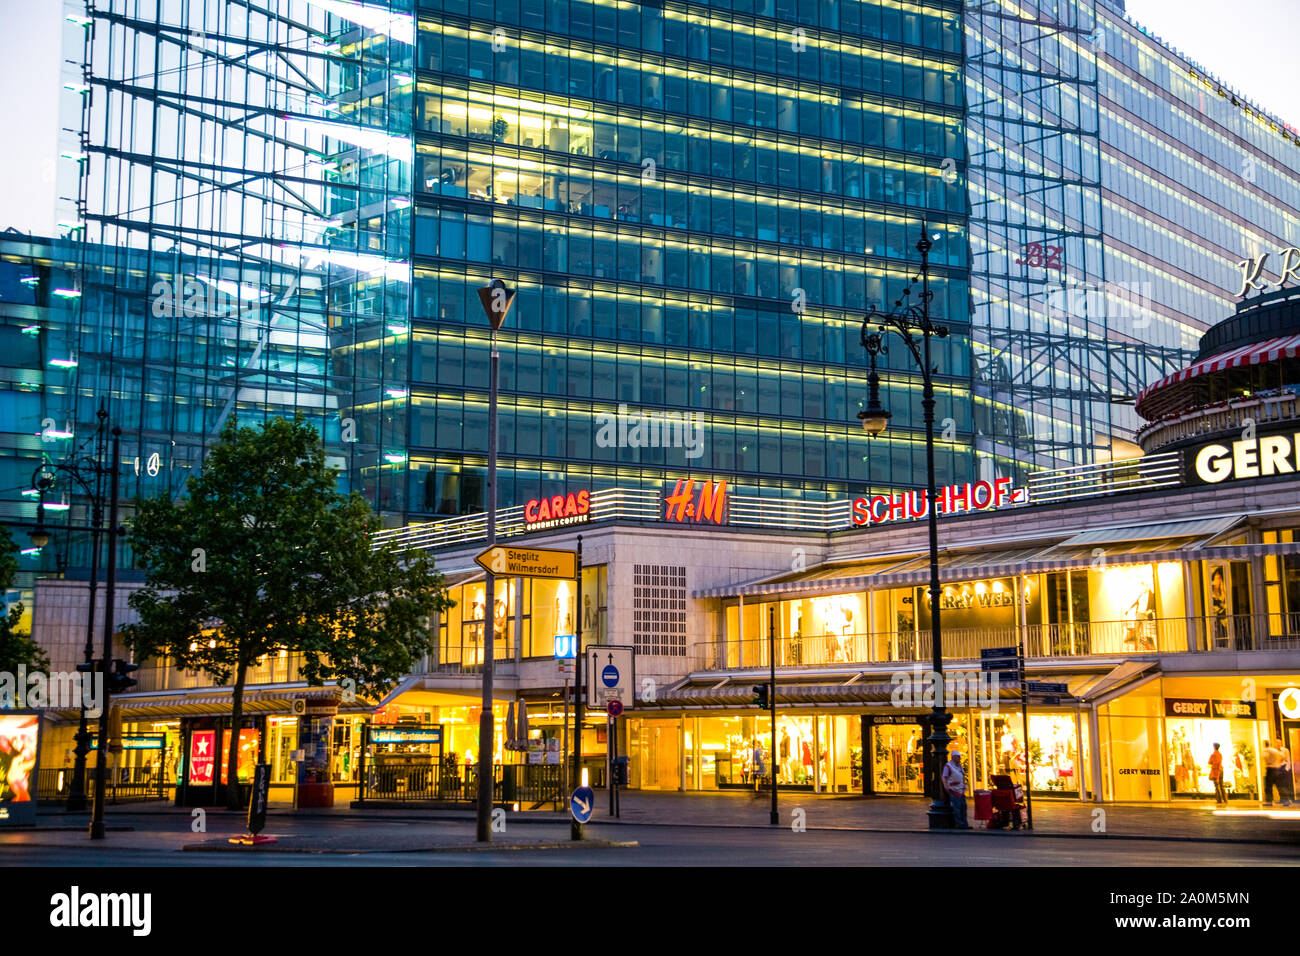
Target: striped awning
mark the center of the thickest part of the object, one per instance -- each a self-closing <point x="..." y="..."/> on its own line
<point x="1272" y="350"/>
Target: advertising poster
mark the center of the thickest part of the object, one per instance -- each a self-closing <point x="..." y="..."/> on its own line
<point x="19" y="735"/>
<point x="248" y="740"/>
<point x="203" y="749"/>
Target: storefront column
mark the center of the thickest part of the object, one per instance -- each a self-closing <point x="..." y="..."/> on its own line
<point x="1194" y="622"/>
<point x="1094" y="752"/>
<point x="1078" y="742"/>
<point x="1259" y="598"/>
<point x="740" y="632"/>
<point x="681" y="752"/>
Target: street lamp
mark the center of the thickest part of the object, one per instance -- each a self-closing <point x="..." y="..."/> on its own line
<point x="497" y="300"/>
<point x="88" y="472"/>
<point x="911" y="320"/>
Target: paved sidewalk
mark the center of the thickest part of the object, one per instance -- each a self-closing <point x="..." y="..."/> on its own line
<point x="1193" y="820"/>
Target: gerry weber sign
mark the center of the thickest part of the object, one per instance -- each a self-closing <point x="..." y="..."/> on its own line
<point x="1260" y="456"/>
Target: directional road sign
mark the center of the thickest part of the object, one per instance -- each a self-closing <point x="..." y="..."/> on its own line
<point x="999" y="658"/>
<point x="529" y="562"/>
<point x="582" y="803"/>
<point x="609" y="675"/>
<point x="1043" y="687"/>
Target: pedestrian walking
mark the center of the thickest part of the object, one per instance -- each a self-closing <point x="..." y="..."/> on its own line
<point x="1216" y="775"/>
<point x="954" y="782"/>
<point x="1285" y="779"/>
<point x="1272" y="772"/>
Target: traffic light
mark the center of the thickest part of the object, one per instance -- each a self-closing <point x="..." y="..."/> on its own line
<point x="761" y="696"/>
<point x="120" y="680"/>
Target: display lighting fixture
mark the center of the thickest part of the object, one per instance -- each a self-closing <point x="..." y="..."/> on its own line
<point x="400" y="202"/>
<point x="68" y="293"/>
<point x="57" y="505"/>
<point x="397" y="26"/>
<point x="30" y="330"/>
<point x="29" y="552"/>
<point x="396" y="392"/>
<point x="373" y="265"/>
<point x="394" y="458"/>
<point x="403" y="79"/>
<point x="30" y="281"/>
<point x="64" y="363"/>
<point x="364" y="137"/>
<point x="398" y="329"/>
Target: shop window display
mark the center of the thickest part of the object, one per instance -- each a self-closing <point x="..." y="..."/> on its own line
<point x="899" y="753"/>
<point x="1053" y="754"/>
<point x="1189" y="744"/>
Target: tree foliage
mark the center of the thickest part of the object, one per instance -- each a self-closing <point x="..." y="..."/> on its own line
<point x="263" y="555"/>
<point x="15" y="647"/>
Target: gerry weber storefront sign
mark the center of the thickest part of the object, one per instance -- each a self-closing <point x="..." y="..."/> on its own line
<point x="1215" y="709"/>
<point x="1259" y="456"/>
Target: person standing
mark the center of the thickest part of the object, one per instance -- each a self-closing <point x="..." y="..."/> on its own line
<point x="1272" y="772"/>
<point x="1216" y="776"/>
<point x="1285" y="780"/>
<point x="954" y="782"/>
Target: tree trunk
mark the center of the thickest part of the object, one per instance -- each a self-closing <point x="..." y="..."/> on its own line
<point x="233" y="795"/>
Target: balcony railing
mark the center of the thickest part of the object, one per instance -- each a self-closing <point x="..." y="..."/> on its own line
<point x="1228" y="417"/>
<point x="272" y="669"/>
<point x="1246" y="632"/>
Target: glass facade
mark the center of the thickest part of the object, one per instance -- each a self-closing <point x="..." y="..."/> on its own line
<point x="1115" y="187"/>
<point x="695" y="203"/>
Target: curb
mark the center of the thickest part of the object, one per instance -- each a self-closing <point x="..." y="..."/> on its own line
<point x="458" y="848"/>
<point x="1045" y="834"/>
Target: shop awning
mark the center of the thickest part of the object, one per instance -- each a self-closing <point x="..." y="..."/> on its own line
<point x="727" y="694"/>
<point x="1117" y="680"/>
<point x="1271" y="350"/>
<point x="1204" y="528"/>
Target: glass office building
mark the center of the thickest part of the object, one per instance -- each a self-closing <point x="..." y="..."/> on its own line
<point x="696" y="204"/>
<point x="1115" y="186"/>
<point x="288" y="205"/>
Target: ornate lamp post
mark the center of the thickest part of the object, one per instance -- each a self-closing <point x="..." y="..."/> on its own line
<point x="911" y="321"/>
<point x="88" y="472"/>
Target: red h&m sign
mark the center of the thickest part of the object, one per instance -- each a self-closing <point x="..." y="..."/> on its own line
<point x="710" y="507"/>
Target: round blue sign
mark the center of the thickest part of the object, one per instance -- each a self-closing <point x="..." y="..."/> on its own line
<point x="582" y="803"/>
<point x="609" y="675"/>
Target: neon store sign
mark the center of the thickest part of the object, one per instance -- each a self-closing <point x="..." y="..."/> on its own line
<point x="558" y="510"/>
<point x="954" y="499"/>
<point x="683" y="506"/>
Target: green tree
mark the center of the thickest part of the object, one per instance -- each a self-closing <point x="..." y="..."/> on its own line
<point x="15" y="647"/>
<point x="263" y="555"/>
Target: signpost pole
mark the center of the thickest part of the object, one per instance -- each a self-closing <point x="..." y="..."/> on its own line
<point x="771" y="704"/>
<point x="579" y="658"/>
<point x="1024" y="720"/>
<point x="611" y="754"/>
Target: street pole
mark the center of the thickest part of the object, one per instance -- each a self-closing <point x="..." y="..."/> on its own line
<point x="875" y="419"/>
<point x="579" y="660"/>
<point x="1024" y="723"/>
<point x="496" y="300"/>
<point x="775" y="818"/>
<point x="110" y="585"/>
<point x="486" y="774"/>
<point x="940" y="809"/>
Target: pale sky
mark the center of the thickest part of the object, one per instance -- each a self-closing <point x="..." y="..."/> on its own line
<point x="1249" y="45"/>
